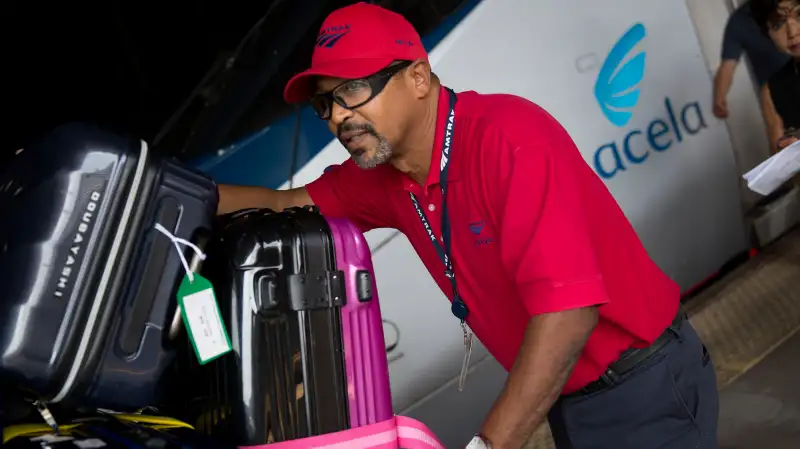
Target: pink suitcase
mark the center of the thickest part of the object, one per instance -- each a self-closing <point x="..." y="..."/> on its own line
<point x="366" y="366"/>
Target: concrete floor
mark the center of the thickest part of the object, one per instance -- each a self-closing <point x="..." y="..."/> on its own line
<point x="761" y="409"/>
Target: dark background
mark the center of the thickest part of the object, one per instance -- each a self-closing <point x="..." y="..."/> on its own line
<point x="187" y="76"/>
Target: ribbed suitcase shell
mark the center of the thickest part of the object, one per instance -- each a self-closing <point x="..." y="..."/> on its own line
<point x="366" y="365"/>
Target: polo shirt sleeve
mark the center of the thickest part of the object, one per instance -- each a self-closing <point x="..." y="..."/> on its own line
<point x="546" y="245"/>
<point x="732" y="46"/>
<point x="346" y="191"/>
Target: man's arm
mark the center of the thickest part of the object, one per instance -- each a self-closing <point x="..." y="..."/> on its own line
<point x="233" y="198"/>
<point x="732" y="50"/>
<point x="551" y="347"/>
<point x="773" y="121"/>
<point x="549" y="255"/>
<point x="343" y="191"/>
<point x="722" y="85"/>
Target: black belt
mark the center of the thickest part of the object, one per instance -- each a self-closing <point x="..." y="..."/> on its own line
<point x="632" y="358"/>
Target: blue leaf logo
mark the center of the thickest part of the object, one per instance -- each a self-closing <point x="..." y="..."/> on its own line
<point x="616" y="88"/>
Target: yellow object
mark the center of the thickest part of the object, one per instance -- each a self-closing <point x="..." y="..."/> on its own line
<point x="156" y="420"/>
<point x="34" y="430"/>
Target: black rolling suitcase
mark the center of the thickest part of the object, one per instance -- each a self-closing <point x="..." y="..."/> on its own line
<point x="88" y="282"/>
<point x="280" y="296"/>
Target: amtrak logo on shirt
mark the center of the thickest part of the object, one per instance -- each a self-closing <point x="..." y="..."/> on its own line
<point x="476" y="228"/>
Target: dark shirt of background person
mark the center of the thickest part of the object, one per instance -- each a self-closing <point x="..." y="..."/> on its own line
<point x="780" y="21"/>
<point x="743" y="35"/>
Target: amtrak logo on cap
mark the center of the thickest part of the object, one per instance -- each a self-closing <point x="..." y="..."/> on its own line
<point x="329" y="36"/>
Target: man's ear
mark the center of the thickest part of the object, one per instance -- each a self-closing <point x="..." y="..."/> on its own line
<point x="421" y="77"/>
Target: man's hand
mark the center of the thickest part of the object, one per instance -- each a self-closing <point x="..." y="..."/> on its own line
<point x="722" y="85"/>
<point x="551" y="347"/>
<point x="721" y="109"/>
<point x="788" y="139"/>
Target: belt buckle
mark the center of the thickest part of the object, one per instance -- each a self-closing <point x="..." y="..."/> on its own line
<point x="606" y="380"/>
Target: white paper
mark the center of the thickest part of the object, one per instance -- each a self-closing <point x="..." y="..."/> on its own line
<point x="205" y="324"/>
<point x="772" y="173"/>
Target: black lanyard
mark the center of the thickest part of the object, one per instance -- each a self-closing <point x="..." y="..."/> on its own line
<point x="458" y="307"/>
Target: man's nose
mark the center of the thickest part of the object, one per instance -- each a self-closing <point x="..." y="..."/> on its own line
<point x="339" y="115"/>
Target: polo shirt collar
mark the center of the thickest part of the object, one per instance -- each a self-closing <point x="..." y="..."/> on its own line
<point x="436" y="154"/>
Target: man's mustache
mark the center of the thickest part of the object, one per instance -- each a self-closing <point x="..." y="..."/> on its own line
<point x="355" y="127"/>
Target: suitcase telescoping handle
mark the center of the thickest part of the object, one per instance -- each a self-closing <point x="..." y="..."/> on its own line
<point x="194" y="265"/>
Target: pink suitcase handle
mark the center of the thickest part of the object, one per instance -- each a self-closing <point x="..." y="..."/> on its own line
<point x="397" y="432"/>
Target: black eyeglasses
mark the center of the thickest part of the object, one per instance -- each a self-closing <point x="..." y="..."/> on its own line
<point x="353" y="94"/>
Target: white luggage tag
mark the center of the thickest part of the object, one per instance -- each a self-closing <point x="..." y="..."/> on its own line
<point x="199" y="308"/>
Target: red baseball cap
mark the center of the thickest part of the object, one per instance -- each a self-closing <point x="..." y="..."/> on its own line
<point x="355" y="42"/>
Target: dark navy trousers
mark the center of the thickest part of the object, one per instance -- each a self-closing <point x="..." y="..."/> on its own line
<point x="670" y="401"/>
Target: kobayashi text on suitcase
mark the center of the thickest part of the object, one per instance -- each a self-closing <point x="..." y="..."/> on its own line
<point x="89" y="282"/>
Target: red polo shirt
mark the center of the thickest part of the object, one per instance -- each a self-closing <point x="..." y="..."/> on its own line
<point x="534" y="230"/>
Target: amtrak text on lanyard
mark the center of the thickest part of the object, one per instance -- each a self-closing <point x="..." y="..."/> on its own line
<point x="458" y="307"/>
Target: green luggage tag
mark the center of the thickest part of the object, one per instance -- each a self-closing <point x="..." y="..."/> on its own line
<point x="199" y="308"/>
<point x="202" y="318"/>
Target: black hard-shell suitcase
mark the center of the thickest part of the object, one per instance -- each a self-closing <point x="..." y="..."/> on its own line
<point x="88" y="282"/>
<point x="280" y="296"/>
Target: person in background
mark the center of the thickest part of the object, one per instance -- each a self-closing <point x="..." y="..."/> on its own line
<point x="742" y="35"/>
<point x="780" y="20"/>
<point x="492" y="192"/>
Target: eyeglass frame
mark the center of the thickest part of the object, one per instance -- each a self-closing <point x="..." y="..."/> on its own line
<point x="377" y="83"/>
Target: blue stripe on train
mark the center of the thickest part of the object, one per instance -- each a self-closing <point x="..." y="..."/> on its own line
<point x="264" y="158"/>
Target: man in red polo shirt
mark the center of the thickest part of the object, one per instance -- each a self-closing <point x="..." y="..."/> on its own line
<point x="521" y="235"/>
